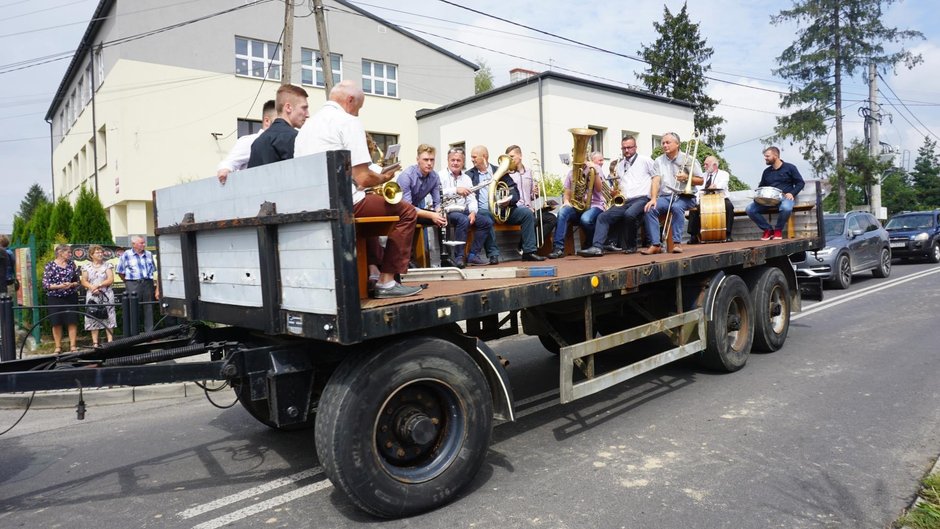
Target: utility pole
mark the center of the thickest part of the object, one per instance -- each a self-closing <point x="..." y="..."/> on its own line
<point x="874" y="142"/>
<point x="288" y="47"/>
<point x="326" y="62"/>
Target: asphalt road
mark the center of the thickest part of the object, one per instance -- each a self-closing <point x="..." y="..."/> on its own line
<point x="832" y="431"/>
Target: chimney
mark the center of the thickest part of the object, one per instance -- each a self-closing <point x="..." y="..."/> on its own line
<point x="518" y="74"/>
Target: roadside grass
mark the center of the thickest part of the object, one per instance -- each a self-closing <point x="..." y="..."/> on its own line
<point x="926" y="514"/>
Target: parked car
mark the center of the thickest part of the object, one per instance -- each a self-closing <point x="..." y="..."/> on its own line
<point x="855" y="243"/>
<point x="915" y="234"/>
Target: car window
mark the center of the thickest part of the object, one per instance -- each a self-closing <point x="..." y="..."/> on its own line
<point x="834" y="227"/>
<point x="872" y="223"/>
<point x="853" y="224"/>
<point x="910" y="222"/>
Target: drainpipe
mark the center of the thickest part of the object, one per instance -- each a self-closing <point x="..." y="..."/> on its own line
<point x="94" y="120"/>
<point x="51" y="164"/>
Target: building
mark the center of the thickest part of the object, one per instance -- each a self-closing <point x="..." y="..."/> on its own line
<point x="537" y="111"/>
<point x="157" y="93"/>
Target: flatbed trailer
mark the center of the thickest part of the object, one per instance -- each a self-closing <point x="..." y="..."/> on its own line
<point x="403" y="393"/>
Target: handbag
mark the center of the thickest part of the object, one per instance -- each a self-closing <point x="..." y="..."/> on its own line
<point x="95" y="310"/>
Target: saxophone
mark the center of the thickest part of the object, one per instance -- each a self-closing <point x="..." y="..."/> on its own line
<point x="581" y="186"/>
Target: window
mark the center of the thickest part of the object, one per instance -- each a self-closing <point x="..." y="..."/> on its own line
<point x="311" y="67"/>
<point x="67" y="121"/>
<point x="102" y="142"/>
<point x="657" y="142"/>
<point x="63" y="128"/>
<point x="384" y="140"/>
<point x="100" y="72"/>
<point x="596" y="143"/>
<point x="248" y="126"/>
<point x="379" y="78"/>
<point x="86" y="95"/>
<point x="257" y="58"/>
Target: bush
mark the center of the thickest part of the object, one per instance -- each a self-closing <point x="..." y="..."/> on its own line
<point x="90" y="221"/>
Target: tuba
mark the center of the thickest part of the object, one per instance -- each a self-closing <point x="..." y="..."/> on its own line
<point x="499" y="190"/>
<point x="581" y="186"/>
<point x="390" y="191"/>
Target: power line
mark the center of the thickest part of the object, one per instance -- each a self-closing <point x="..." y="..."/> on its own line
<point x="43" y="10"/>
<point x="905" y="106"/>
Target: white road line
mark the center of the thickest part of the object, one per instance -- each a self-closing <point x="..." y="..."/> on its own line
<point x="864" y="292"/>
<point x="249" y="493"/>
<point x="263" y="506"/>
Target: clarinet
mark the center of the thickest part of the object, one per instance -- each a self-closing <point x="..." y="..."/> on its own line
<point x="445" y="254"/>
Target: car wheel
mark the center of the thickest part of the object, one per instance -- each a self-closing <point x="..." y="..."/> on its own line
<point x="934" y="256"/>
<point x="842" y="274"/>
<point x="884" y="265"/>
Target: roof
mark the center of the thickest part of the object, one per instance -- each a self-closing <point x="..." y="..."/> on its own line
<point x="104" y="7"/>
<point x="556" y="76"/>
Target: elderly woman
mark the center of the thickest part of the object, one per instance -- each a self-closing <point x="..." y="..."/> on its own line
<point x="60" y="281"/>
<point x="97" y="277"/>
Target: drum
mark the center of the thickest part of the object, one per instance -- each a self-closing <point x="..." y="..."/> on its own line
<point x="768" y="196"/>
<point x="712" y="212"/>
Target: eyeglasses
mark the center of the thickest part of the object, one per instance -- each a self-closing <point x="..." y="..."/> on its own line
<point x="455" y="150"/>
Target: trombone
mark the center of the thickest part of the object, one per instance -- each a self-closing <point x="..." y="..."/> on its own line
<point x="537" y="169"/>
<point x="688" y="168"/>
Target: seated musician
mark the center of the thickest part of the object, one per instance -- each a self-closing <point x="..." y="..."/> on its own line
<point x="527" y="191"/>
<point x="460" y="205"/>
<point x="671" y="167"/>
<point x="716" y="181"/>
<point x="419" y="182"/>
<point x="337" y="127"/>
<point x="587" y="216"/>
<point x="785" y="177"/>
<point x="637" y="182"/>
<point x="481" y="172"/>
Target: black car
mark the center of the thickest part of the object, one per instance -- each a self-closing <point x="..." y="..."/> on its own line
<point x="915" y="234"/>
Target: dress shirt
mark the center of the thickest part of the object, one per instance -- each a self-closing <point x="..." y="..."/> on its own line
<point x="450" y="182"/>
<point x="525" y="185"/>
<point x="636" y="176"/>
<point x="597" y="197"/>
<point x="416" y="187"/>
<point x="333" y="129"/>
<point x="237" y="158"/>
<point x="719" y="179"/>
<point x="667" y="169"/>
<point x="483" y="194"/>
<point x="136" y="267"/>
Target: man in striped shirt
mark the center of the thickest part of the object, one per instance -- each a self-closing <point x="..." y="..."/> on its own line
<point x="136" y="267"/>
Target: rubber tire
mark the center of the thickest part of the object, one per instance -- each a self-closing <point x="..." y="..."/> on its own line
<point x="884" y="264"/>
<point x="841" y="280"/>
<point x="934" y="255"/>
<point x="259" y="410"/>
<point x="728" y="350"/>
<point x="347" y="431"/>
<point x="769" y="289"/>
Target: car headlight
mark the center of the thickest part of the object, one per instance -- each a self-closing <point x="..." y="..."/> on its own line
<point x="825" y="251"/>
<point x="922" y="236"/>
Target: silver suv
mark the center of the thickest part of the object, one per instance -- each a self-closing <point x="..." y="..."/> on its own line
<point x="855" y="243"/>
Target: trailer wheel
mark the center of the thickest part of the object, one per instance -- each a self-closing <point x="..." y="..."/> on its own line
<point x="402" y="430"/>
<point x="770" y="295"/>
<point x="731" y="327"/>
<point x="259" y="409"/>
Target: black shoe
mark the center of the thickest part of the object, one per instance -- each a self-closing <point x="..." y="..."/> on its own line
<point x="729" y="239"/>
<point x="611" y="247"/>
<point x="459" y="263"/>
<point x="494" y="259"/>
<point x="695" y="240"/>
<point x="593" y="251"/>
<point x="556" y="254"/>
<point x="532" y="256"/>
<point x="629" y="250"/>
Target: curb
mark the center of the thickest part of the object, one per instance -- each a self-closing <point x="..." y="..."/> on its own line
<point x="100" y="396"/>
<point x="917" y="499"/>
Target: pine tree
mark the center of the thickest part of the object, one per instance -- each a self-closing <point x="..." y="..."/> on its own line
<point x="90" y="220"/>
<point x="836" y="38"/>
<point x="20" y="235"/>
<point x="926" y="175"/>
<point x="38" y="225"/>
<point x="677" y="68"/>
<point x="60" y="224"/>
<point x="34" y="197"/>
<point x="483" y="80"/>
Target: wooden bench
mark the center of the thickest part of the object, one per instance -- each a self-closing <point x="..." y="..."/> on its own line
<point x="369" y="227"/>
<point x="543" y="250"/>
<point x="791" y="231"/>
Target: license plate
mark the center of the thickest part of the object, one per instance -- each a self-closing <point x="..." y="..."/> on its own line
<point x="898" y="245"/>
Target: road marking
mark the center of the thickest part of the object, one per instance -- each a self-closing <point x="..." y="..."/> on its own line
<point x="248" y="493"/>
<point x="264" y="505"/>
<point x="838" y="300"/>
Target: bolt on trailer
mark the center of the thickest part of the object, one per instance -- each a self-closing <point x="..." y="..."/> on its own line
<point x="267" y="274"/>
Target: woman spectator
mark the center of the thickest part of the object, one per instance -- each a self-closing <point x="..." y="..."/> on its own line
<point x="97" y="277"/>
<point x="60" y="281"/>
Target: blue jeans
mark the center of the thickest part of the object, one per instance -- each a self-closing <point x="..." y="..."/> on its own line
<point x="490" y="246"/>
<point x="679" y="206"/>
<point x="587" y="220"/>
<point x="755" y="210"/>
<point x="629" y="213"/>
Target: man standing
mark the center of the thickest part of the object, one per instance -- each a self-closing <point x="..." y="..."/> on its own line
<point x="483" y="171"/>
<point x="671" y="167"/>
<point x="638" y="183"/>
<point x="785" y="177"/>
<point x="420" y="181"/>
<point x="237" y="158"/>
<point x="8" y="271"/>
<point x="337" y="127"/>
<point x="136" y="268"/>
<point x="587" y="217"/>
<point x="461" y="210"/>
<point x="716" y="181"/>
<point x="277" y="143"/>
<point x="527" y="192"/>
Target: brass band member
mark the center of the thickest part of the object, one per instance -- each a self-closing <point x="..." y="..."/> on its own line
<point x="481" y="172"/>
<point x="716" y="181"/>
<point x="419" y="182"/>
<point x="524" y="191"/>
<point x="461" y="208"/>
<point x="670" y="168"/>
<point x="586" y="218"/>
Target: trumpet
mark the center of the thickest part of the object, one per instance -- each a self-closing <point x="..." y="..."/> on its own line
<point x="499" y="190"/>
<point x="390" y="191"/>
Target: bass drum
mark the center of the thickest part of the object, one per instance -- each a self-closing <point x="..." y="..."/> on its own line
<point x="712" y="212"/>
<point x="768" y="196"/>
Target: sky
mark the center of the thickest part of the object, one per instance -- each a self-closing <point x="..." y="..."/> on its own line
<point x="745" y="45"/>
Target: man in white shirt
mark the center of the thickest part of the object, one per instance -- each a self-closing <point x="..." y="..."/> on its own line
<point x="461" y="208"/>
<point x="237" y="158"/>
<point x="716" y="181"/>
<point x="336" y="126"/>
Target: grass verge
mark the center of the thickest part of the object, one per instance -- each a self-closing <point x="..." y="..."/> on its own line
<point x="926" y="514"/>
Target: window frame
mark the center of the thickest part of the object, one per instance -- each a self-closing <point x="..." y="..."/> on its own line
<point x="372" y="78"/>
<point x="267" y="62"/>
<point x="317" y="67"/>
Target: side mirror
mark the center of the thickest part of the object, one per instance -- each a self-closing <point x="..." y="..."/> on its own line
<point x="855" y="233"/>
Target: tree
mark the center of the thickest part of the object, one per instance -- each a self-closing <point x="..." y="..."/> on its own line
<point x="38" y="225"/>
<point x="90" y="221"/>
<point x="704" y="151"/>
<point x="34" y="197"/>
<point x="926" y="175"/>
<point x="897" y="192"/>
<point x="859" y="173"/>
<point x="836" y="38"/>
<point x="483" y="80"/>
<point x="60" y="223"/>
<point x="678" y="61"/>
<point x="20" y="235"/>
